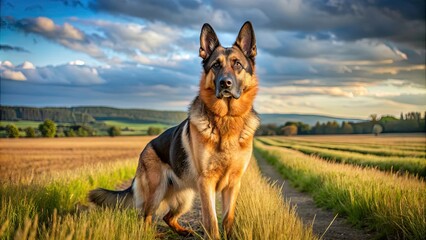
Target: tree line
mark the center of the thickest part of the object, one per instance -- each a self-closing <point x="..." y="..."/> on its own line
<point x="50" y="129"/>
<point x="407" y="123"/>
<point x="86" y="115"/>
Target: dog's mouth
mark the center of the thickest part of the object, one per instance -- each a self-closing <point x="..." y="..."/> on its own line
<point x="228" y="94"/>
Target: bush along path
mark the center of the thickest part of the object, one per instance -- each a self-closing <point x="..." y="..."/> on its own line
<point x="325" y="223"/>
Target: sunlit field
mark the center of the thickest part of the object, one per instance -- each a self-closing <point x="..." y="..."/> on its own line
<point x="45" y="182"/>
<point x="29" y="157"/>
<point x="386" y="156"/>
<point x="376" y="182"/>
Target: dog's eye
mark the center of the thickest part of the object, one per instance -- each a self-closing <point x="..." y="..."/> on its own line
<point x="216" y="65"/>
<point x="238" y="65"/>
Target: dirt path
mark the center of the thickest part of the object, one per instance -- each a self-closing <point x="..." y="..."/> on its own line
<point x="308" y="211"/>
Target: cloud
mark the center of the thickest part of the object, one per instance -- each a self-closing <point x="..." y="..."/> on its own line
<point x="154" y="44"/>
<point x="62" y="74"/>
<point x="7" y="64"/>
<point x="65" y="35"/>
<point x="410" y="99"/>
<point x="77" y="62"/>
<point x="13" y="75"/>
<point x="402" y="22"/>
<point x="27" y="65"/>
<point x="309" y="90"/>
<point x="5" y="47"/>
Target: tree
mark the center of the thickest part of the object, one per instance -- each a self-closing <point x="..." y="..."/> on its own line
<point x="346" y="128"/>
<point x="70" y="133"/>
<point x="401" y="117"/>
<point x="114" y="131"/>
<point x="47" y="128"/>
<point x="377" y="129"/>
<point x="154" y="131"/>
<point x="82" y="132"/>
<point x="29" y="132"/>
<point x="12" y="131"/>
<point x="373" y="117"/>
<point x="290" y="130"/>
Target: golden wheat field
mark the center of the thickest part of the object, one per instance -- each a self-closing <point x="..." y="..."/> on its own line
<point x="28" y="157"/>
<point x="52" y="202"/>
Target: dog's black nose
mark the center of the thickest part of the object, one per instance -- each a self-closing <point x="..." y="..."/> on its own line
<point x="225" y="83"/>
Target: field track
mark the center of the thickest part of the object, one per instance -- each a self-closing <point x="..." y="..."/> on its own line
<point x="309" y="212"/>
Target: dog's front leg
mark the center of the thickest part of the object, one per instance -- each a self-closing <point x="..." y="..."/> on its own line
<point x="229" y="198"/>
<point x="208" y="200"/>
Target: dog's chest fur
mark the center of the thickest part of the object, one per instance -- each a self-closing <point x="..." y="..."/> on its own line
<point x="222" y="145"/>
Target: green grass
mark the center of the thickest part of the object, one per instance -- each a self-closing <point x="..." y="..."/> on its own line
<point x="21" y="124"/>
<point x="393" y="205"/>
<point x="415" y="166"/>
<point x="136" y="128"/>
<point x="43" y="197"/>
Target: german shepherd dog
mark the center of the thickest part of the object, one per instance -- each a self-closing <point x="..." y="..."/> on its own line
<point x="209" y="151"/>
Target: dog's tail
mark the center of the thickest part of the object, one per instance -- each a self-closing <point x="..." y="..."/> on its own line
<point x="109" y="198"/>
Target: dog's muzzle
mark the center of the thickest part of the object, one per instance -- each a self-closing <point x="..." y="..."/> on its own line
<point x="227" y="88"/>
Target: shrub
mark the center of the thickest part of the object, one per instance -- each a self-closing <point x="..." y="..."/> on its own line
<point x="12" y="131"/>
<point x="290" y="130"/>
<point x="30" y="132"/>
<point x="154" y="131"/>
<point x="114" y="131"/>
<point x="377" y="129"/>
<point x="47" y="128"/>
<point x="70" y="133"/>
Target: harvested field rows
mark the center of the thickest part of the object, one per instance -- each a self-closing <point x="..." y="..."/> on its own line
<point x="393" y="205"/>
<point x="413" y="165"/>
<point x="379" y="150"/>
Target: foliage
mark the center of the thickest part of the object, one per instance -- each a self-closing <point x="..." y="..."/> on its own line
<point x="70" y="133"/>
<point x="47" y="128"/>
<point x="290" y="130"/>
<point x="377" y="129"/>
<point x="85" y="115"/>
<point x="154" y="131"/>
<point x="12" y="131"/>
<point x="114" y="131"/>
<point x="412" y="123"/>
<point x="30" y="132"/>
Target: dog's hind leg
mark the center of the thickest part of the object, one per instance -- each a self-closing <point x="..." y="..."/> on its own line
<point x="179" y="203"/>
<point x="150" y="183"/>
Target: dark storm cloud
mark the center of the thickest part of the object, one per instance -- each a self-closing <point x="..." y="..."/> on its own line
<point x="5" y="47"/>
<point x="400" y="21"/>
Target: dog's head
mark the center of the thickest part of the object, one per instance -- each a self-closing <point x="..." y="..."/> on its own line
<point x="228" y="72"/>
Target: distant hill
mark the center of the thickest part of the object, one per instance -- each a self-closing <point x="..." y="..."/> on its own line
<point x="97" y="113"/>
<point x="89" y="114"/>
<point x="280" y="119"/>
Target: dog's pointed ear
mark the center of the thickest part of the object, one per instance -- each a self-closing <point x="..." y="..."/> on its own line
<point x="246" y="40"/>
<point x="208" y="41"/>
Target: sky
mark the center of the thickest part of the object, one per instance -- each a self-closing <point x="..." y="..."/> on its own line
<point x="334" y="57"/>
